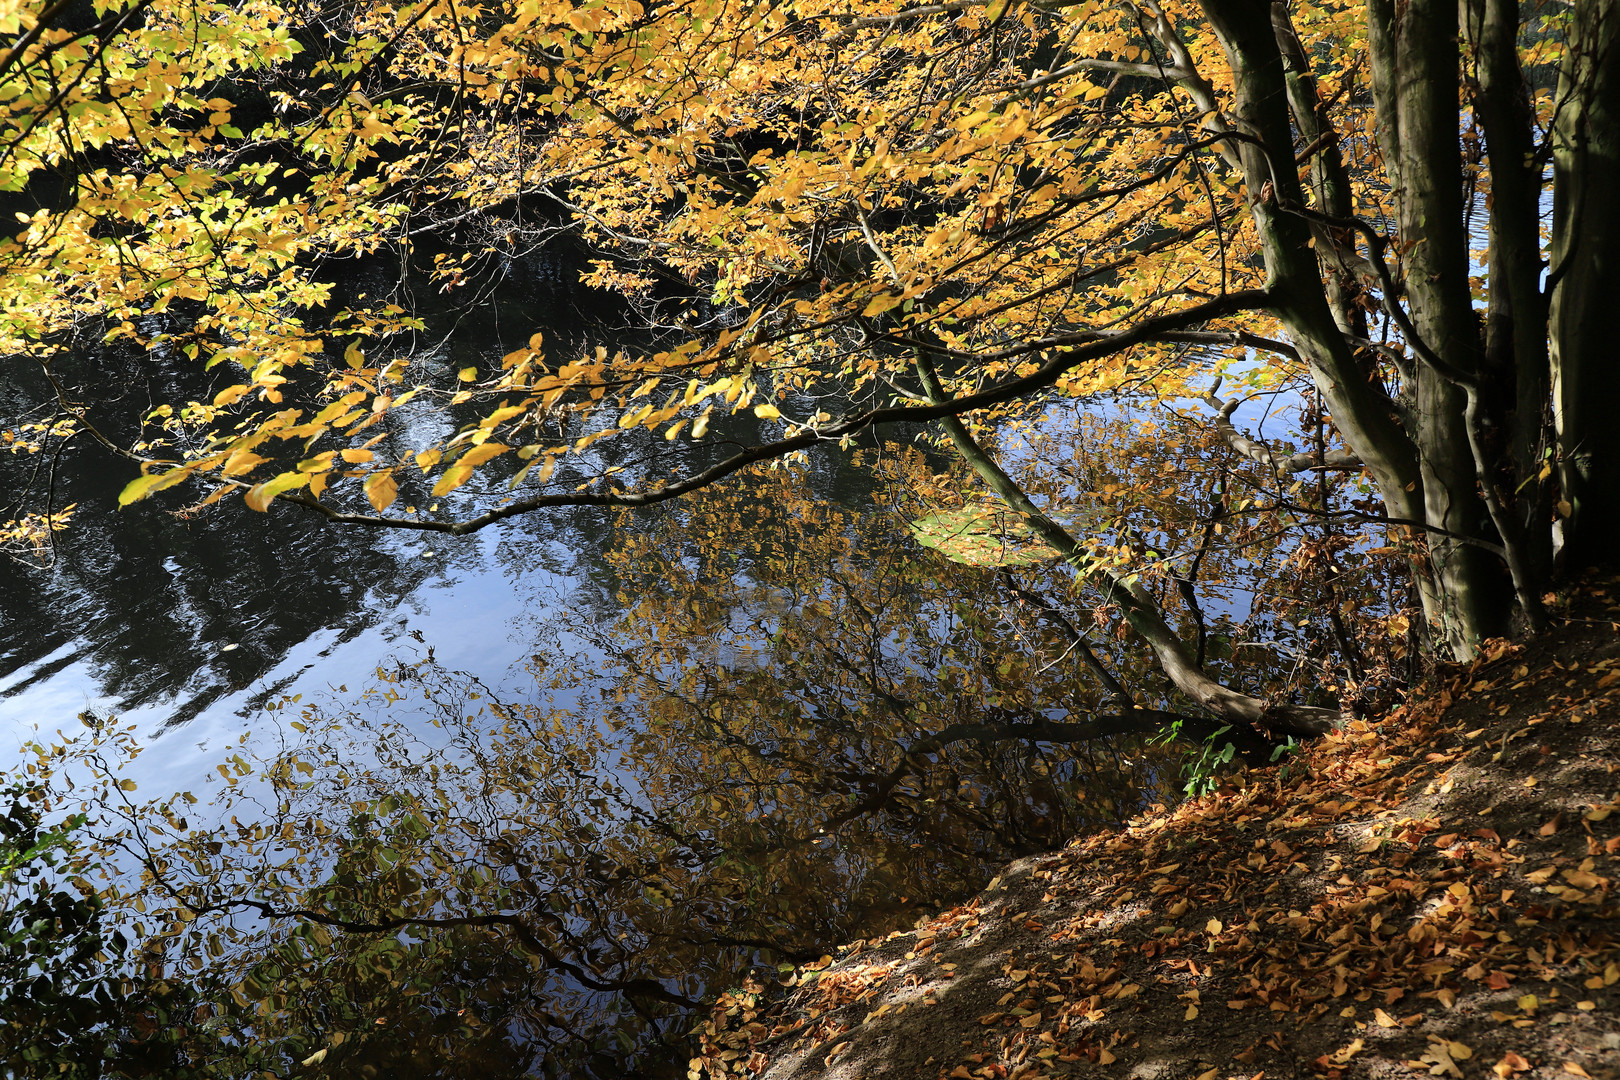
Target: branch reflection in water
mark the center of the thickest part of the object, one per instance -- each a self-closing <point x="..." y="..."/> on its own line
<point x="769" y="748"/>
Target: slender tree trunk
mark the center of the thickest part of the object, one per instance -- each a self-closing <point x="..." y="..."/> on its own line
<point x="1516" y="321"/>
<point x="1427" y="473"/>
<point x="1584" y="277"/>
<point x="1428" y="476"/>
<point x="1330" y="181"/>
<point x="1361" y="410"/>
<point x="1420" y="90"/>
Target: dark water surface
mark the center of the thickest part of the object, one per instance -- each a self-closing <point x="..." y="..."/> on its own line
<point x="595" y="766"/>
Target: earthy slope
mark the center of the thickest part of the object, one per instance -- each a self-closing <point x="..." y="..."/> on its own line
<point x="1427" y="895"/>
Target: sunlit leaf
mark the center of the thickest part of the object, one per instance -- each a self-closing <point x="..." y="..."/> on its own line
<point x="983" y="535"/>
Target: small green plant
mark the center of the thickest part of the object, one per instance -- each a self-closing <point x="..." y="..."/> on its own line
<point x="1284" y="752"/>
<point x="1202" y="767"/>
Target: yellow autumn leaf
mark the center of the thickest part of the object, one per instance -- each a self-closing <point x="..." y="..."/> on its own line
<point x="880" y="303"/>
<point x="381" y="490"/>
<point x="142" y="486"/>
<point x="453" y="477"/>
<point x="241" y="462"/>
<point x="260" y="496"/>
<point x="482" y="453"/>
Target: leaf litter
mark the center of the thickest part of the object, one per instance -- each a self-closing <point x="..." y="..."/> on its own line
<point x="1430" y="893"/>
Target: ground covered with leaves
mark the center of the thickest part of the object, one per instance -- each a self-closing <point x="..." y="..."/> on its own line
<point x="1428" y="893"/>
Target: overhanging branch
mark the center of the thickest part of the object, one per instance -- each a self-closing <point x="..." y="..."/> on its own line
<point x="1095" y="348"/>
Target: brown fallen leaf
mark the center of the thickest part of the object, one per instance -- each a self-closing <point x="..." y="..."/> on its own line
<point x="1343" y="1055"/>
<point x="1575" y="1070"/>
<point x="1511" y="1063"/>
<point x="1553" y="825"/>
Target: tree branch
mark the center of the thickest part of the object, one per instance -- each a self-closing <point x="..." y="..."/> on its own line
<point x="1139" y="610"/>
<point x="1279" y="464"/>
<point x="1096" y="346"/>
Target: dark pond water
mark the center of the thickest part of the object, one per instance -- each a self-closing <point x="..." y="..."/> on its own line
<point x="547" y="786"/>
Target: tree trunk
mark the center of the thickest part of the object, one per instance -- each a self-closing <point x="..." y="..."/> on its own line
<point x="1516" y="320"/>
<point x="1428" y="473"/>
<point x="1584" y="277"/>
<point x="1420" y="91"/>
<point x="1362" y="412"/>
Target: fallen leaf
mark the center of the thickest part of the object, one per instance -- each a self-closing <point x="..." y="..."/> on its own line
<point x="1575" y="1070"/>
<point x="1511" y="1063"/>
<point x="1345" y="1054"/>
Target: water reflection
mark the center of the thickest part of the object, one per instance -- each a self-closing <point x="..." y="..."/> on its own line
<point x="172" y="611"/>
<point x="777" y="737"/>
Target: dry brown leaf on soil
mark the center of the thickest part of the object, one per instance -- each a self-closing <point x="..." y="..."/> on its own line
<point x="1511" y="1063"/>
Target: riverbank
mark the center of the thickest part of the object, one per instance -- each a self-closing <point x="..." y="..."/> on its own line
<point x="1430" y="894"/>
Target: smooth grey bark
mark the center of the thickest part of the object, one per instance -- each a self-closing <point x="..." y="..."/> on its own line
<point x="1424" y="165"/>
<point x="1431" y="469"/>
<point x="1584" y="277"/>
